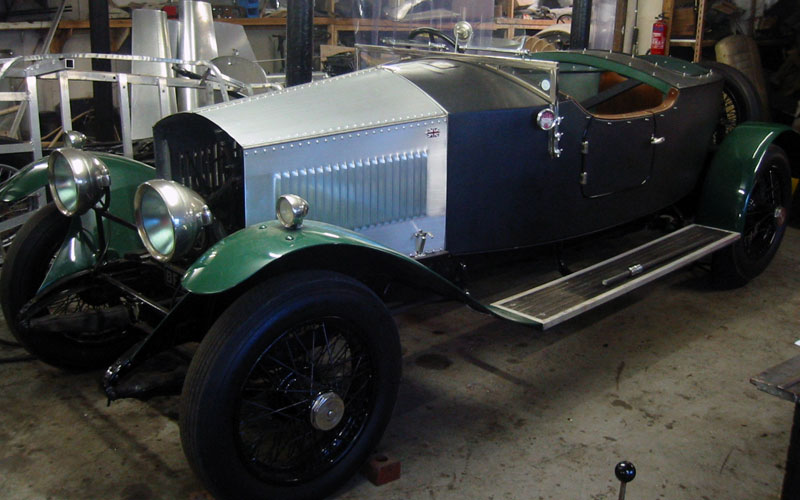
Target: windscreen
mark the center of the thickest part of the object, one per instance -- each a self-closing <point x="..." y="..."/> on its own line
<point x="433" y="24"/>
<point x="428" y="22"/>
<point x="502" y="33"/>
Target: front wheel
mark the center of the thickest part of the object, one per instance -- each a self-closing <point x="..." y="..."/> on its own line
<point x="291" y="389"/>
<point x="77" y="328"/>
<point x="766" y="213"/>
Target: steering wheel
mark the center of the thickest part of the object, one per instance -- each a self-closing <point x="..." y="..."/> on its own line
<point x="433" y="34"/>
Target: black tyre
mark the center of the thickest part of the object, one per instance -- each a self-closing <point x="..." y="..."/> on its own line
<point x="767" y="209"/>
<point x="740" y="101"/>
<point x="28" y="260"/>
<point x="254" y="421"/>
<point x="10" y="211"/>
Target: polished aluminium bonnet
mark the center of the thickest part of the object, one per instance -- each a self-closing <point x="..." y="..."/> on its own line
<point x="368" y="150"/>
<point x="356" y="101"/>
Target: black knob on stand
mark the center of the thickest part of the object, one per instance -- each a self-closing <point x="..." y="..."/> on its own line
<point x="625" y="472"/>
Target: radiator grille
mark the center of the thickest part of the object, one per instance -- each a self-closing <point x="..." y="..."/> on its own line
<point x="363" y="192"/>
<point x="206" y="168"/>
<point x="214" y="170"/>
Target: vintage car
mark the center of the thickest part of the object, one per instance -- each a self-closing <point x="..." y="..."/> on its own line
<point x="274" y="230"/>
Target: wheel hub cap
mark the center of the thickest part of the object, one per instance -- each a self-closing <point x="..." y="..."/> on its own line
<point x="327" y="411"/>
<point x="780" y="215"/>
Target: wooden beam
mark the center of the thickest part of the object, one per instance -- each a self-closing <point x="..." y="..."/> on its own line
<point x="668" y="8"/>
<point x="620" y="18"/>
<point x="698" y="38"/>
<point x="100" y="41"/>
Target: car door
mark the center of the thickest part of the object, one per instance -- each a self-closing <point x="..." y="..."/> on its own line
<point x="618" y="138"/>
<point x="617" y="155"/>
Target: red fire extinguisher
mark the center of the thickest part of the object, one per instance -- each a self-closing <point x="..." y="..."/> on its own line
<point x="659" y="38"/>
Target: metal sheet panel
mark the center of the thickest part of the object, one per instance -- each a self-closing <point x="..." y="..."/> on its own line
<point x="387" y="182"/>
<point x="149" y="38"/>
<point x="355" y="101"/>
<point x="361" y="192"/>
<point x="196" y="41"/>
<point x="232" y="41"/>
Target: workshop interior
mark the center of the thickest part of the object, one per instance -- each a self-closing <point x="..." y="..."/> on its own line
<point x="399" y="249"/>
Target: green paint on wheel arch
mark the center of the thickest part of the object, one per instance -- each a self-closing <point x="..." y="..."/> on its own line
<point x="732" y="174"/>
<point x="244" y="253"/>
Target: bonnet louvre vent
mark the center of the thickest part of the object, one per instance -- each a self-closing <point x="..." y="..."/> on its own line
<point x="361" y="193"/>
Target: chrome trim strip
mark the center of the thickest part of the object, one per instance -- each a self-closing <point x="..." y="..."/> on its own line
<point x="486" y="59"/>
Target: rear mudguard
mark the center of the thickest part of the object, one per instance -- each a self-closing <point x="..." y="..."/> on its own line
<point x="25" y="182"/>
<point x="81" y="247"/>
<point x="733" y="170"/>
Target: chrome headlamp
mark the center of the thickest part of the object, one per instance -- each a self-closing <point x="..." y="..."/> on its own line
<point x="169" y="218"/>
<point x="77" y="180"/>
<point x="290" y="210"/>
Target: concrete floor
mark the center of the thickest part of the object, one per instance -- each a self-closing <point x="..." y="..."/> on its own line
<point x="488" y="409"/>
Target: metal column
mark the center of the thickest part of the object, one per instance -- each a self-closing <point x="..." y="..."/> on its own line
<point x="581" y="20"/>
<point x="100" y="38"/>
<point x="299" y="41"/>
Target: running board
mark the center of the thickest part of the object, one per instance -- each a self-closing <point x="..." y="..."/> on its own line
<point x="559" y="300"/>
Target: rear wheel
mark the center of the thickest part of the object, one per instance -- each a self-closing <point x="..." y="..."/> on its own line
<point x="291" y="389"/>
<point x="766" y="213"/>
<point x="74" y="328"/>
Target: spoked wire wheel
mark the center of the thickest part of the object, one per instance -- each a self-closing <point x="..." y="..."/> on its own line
<point x="729" y="117"/>
<point x="305" y="401"/>
<point x="740" y="101"/>
<point x="766" y="213"/>
<point x="90" y="315"/>
<point x="291" y="388"/>
<point x="83" y="324"/>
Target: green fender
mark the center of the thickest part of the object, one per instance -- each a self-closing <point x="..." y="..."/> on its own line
<point x="270" y="247"/>
<point x="81" y="247"/>
<point x="30" y="178"/>
<point x="733" y="169"/>
<point x="241" y="255"/>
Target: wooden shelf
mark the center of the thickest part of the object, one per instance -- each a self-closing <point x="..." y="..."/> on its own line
<point x="524" y="23"/>
<point x="690" y="42"/>
<point x="697" y="43"/>
<point x="335" y="25"/>
<point x="500" y="22"/>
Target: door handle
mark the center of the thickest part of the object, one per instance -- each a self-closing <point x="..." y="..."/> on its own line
<point x="657" y="140"/>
